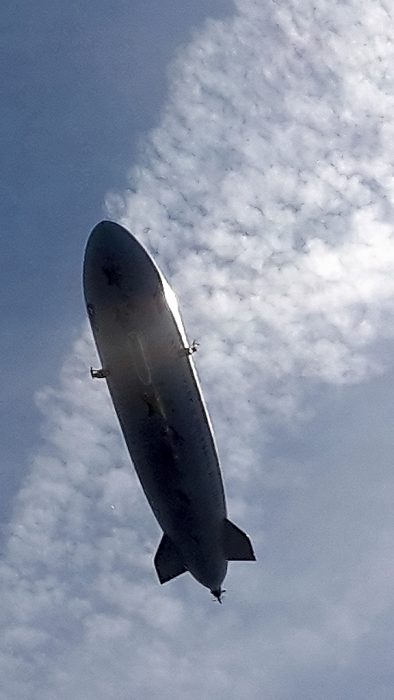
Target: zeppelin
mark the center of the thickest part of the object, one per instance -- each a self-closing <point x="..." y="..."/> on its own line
<point x="148" y="365"/>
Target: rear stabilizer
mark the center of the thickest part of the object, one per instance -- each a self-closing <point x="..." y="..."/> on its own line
<point x="237" y="545"/>
<point x="167" y="561"/>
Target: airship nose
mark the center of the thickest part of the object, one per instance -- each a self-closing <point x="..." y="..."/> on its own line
<point x="106" y="238"/>
<point x="116" y="263"/>
<point x="109" y="228"/>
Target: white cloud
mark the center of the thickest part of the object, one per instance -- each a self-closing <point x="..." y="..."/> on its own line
<point x="266" y="195"/>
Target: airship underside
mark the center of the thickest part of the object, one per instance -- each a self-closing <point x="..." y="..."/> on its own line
<point x="148" y="365"/>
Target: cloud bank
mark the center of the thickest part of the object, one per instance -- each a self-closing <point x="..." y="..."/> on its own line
<point x="266" y="196"/>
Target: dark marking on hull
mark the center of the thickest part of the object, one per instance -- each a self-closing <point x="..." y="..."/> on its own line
<point x="113" y="273"/>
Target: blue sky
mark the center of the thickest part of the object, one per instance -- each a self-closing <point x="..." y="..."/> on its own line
<point x="252" y="154"/>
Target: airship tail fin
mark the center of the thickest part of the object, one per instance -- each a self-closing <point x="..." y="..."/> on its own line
<point x="168" y="563"/>
<point x="237" y="545"/>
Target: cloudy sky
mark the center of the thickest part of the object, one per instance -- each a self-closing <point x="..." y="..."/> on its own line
<point x="248" y="144"/>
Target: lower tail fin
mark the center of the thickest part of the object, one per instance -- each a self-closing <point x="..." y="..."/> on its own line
<point x="168" y="563"/>
<point x="237" y="545"/>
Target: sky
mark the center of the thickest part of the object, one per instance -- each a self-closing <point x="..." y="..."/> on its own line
<point x="248" y="145"/>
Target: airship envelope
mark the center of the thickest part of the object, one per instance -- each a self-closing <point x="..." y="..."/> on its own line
<point x="148" y="365"/>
